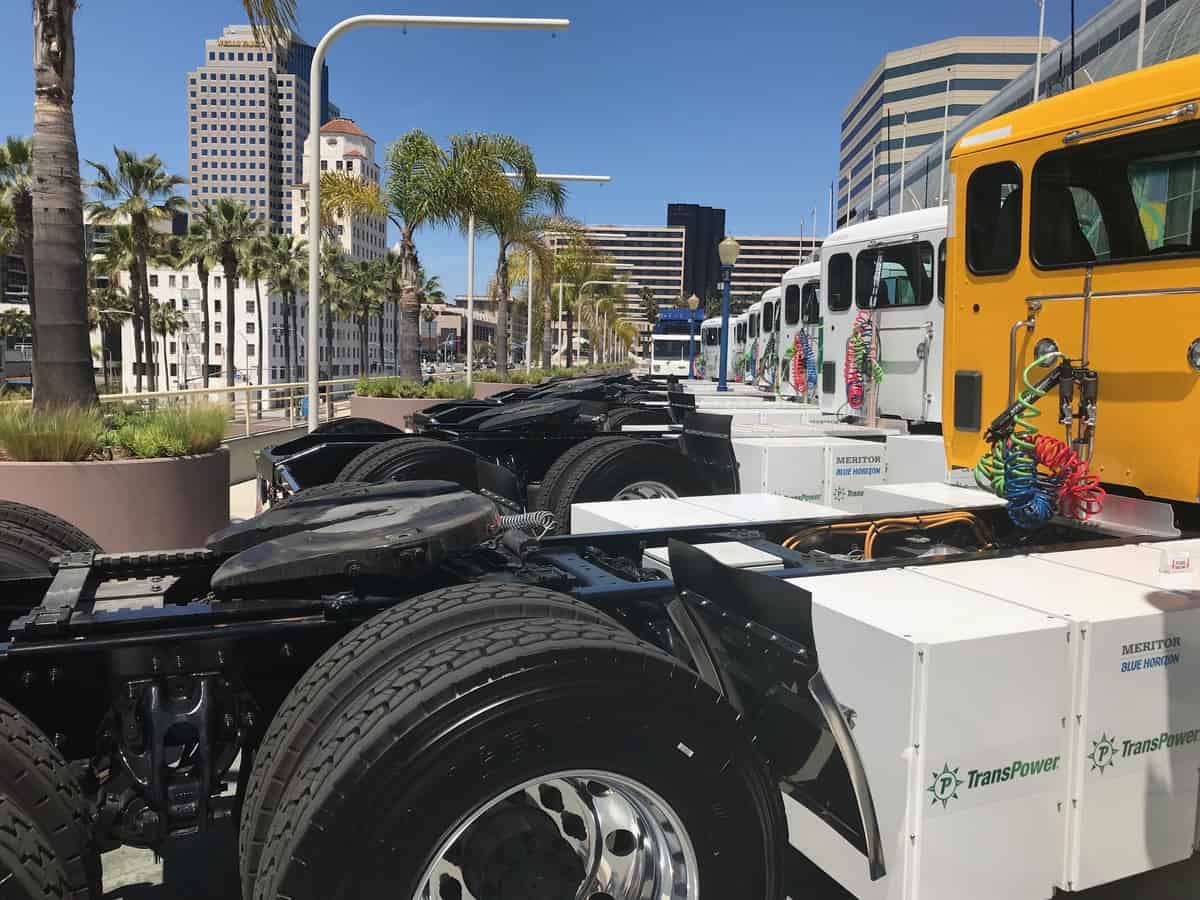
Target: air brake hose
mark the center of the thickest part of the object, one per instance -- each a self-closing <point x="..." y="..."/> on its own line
<point x="862" y="362"/>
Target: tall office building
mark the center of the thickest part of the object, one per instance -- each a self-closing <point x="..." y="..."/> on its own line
<point x="762" y="262"/>
<point x="247" y="122"/>
<point x="906" y="104"/>
<point x="705" y="228"/>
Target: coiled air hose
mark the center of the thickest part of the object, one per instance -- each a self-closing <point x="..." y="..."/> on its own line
<point x="803" y="364"/>
<point x="862" y="360"/>
<point x="1037" y="474"/>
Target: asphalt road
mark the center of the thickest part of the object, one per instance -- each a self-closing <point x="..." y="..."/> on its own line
<point x="205" y="868"/>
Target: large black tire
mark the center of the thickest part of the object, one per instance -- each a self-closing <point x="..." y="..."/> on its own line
<point x="44" y="823"/>
<point x="470" y="719"/>
<point x="413" y="459"/>
<point x="636" y="415"/>
<point x="548" y="488"/>
<point x="370" y="652"/>
<point x="605" y="471"/>
<point x="30" y="537"/>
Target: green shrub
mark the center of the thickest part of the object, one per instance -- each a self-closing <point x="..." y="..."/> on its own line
<point x="487" y="376"/>
<point x="68" y="434"/>
<point x="406" y="389"/>
<point x="450" y="390"/>
<point x="173" y="430"/>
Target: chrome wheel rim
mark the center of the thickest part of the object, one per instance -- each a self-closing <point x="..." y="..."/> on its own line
<point x="582" y="834"/>
<point x="646" y="490"/>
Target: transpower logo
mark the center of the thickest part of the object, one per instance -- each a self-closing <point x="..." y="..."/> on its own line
<point x="946" y="783"/>
<point x="1107" y="750"/>
<point x="1104" y="753"/>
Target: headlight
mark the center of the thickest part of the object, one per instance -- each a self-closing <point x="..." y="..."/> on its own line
<point x="1194" y="355"/>
<point x="1045" y="347"/>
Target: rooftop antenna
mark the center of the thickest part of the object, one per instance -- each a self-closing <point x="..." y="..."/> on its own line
<point x="1072" y="44"/>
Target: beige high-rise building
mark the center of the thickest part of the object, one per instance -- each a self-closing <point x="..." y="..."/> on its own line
<point x="247" y="108"/>
<point x="910" y="99"/>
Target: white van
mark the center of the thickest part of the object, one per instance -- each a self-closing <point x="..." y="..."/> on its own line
<point x="800" y="332"/>
<point x="739" y="335"/>
<point x="882" y="286"/>
<point x="764" y="357"/>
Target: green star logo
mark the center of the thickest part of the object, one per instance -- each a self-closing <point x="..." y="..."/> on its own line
<point x="945" y="786"/>
<point x="1104" y="753"/>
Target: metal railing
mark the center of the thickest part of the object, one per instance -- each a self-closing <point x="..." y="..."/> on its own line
<point x="253" y="408"/>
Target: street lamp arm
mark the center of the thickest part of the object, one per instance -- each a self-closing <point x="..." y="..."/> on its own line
<point x="316" y="79"/>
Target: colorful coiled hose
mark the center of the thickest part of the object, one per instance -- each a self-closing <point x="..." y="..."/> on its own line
<point x="862" y="362"/>
<point x="1037" y="474"/>
<point x="804" y="364"/>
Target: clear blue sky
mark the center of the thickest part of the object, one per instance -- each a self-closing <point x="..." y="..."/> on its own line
<point x="735" y="105"/>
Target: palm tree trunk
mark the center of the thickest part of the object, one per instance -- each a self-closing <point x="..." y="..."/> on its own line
<point x="62" y="367"/>
<point x="547" y="325"/>
<point x="329" y="339"/>
<point x="395" y="335"/>
<point x="502" y="313"/>
<point x="409" y="358"/>
<point x="230" y="265"/>
<point x="166" y="379"/>
<point x="206" y="339"/>
<point x="382" y="368"/>
<point x="287" y="339"/>
<point x="147" y="324"/>
<point x="362" y="345"/>
<point x="258" y="350"/>
<point x="139" y="350"/>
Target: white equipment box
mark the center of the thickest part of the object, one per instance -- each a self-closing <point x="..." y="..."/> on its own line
<point x="1135" y="703"/>
<point x="916" y="458"/>
<point x="959" y="700"/>
<point x="828" y="470"/>
<point x="887" y="499"/>
<point x="723" y="509"/>
<point x="729" y="553"/>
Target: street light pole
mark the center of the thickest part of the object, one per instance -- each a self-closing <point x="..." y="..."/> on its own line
<point x="693" y="303"/>
<point x="316" y="80"/>
<point x="728" y="251"/>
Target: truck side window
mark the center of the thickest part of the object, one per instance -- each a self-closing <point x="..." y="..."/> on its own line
<point x="994" y="219"/>
<point x="791" y="304"/>
<point x="840" y="277"/>
<point x="941" y="271"/>
<point x="754" y="325"/>
<point x="1133" y="197"/>
<point x="905" y="276"/>
<point x="768" y="318"/>
<point x="810" y="303"/>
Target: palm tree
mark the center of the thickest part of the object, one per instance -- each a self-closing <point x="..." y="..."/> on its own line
<point x="139" y="190"/>
<point x="119" y="256"/>
<point x="429" y="292"/>
<point x="230" y="227"/>
<point x="58" y="198"/>
<point x="196" y="249"/>
<point x="108" y="309"/>
<point x="650" y="305"/>
<point x="360" y="290"/>
<point x="166" y="320"/>
<point x="514" y="213"/>
<point x="332" y="264"/>
<point x="287" y="271"/>
<point x="16" y="196"/>
<point x="419" y="194"/>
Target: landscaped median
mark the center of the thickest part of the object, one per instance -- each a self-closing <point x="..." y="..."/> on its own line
<point x="132" y="479"/>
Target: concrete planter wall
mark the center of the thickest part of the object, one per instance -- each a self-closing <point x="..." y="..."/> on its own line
<point x="388" y="410"/>
<point x="129" y="504"/>
<point x="485" y="389"/>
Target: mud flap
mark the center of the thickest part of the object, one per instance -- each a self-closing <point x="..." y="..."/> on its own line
<point x="752" y="638"/>
<point x="705" y="441"/>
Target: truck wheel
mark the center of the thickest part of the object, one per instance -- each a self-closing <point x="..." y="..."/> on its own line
<point x="372" y="651"/>
<point x="30" y="537"/>
<point x="413" y="459"/>
<point x="548" y="489"/>
<point x="44" y="826"/>
<point x="628" y="470"/>
<point x="538" y="759"/>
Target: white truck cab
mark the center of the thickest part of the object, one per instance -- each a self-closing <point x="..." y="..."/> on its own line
<point x="800" y="332"/>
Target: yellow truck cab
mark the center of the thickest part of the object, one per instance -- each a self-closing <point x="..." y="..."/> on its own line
<point x="1075" y="226"/>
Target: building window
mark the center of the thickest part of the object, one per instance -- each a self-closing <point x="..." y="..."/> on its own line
<point x="217" y="349"/>
<point x="216" y="306"/>
<point x="217" y="327"/>
<point x="174" y="370"/>
<point x="324" y="165"/>
<point x="185" y="281"/>
<point x="249" y="349"/>
<point x="171" y="347"/>
<point x="217" y="283"/>
<point x="170" y="281"/>
<point x="153" y="281"/>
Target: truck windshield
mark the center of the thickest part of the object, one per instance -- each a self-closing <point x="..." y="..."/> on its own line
<point x="665" y="349"/>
